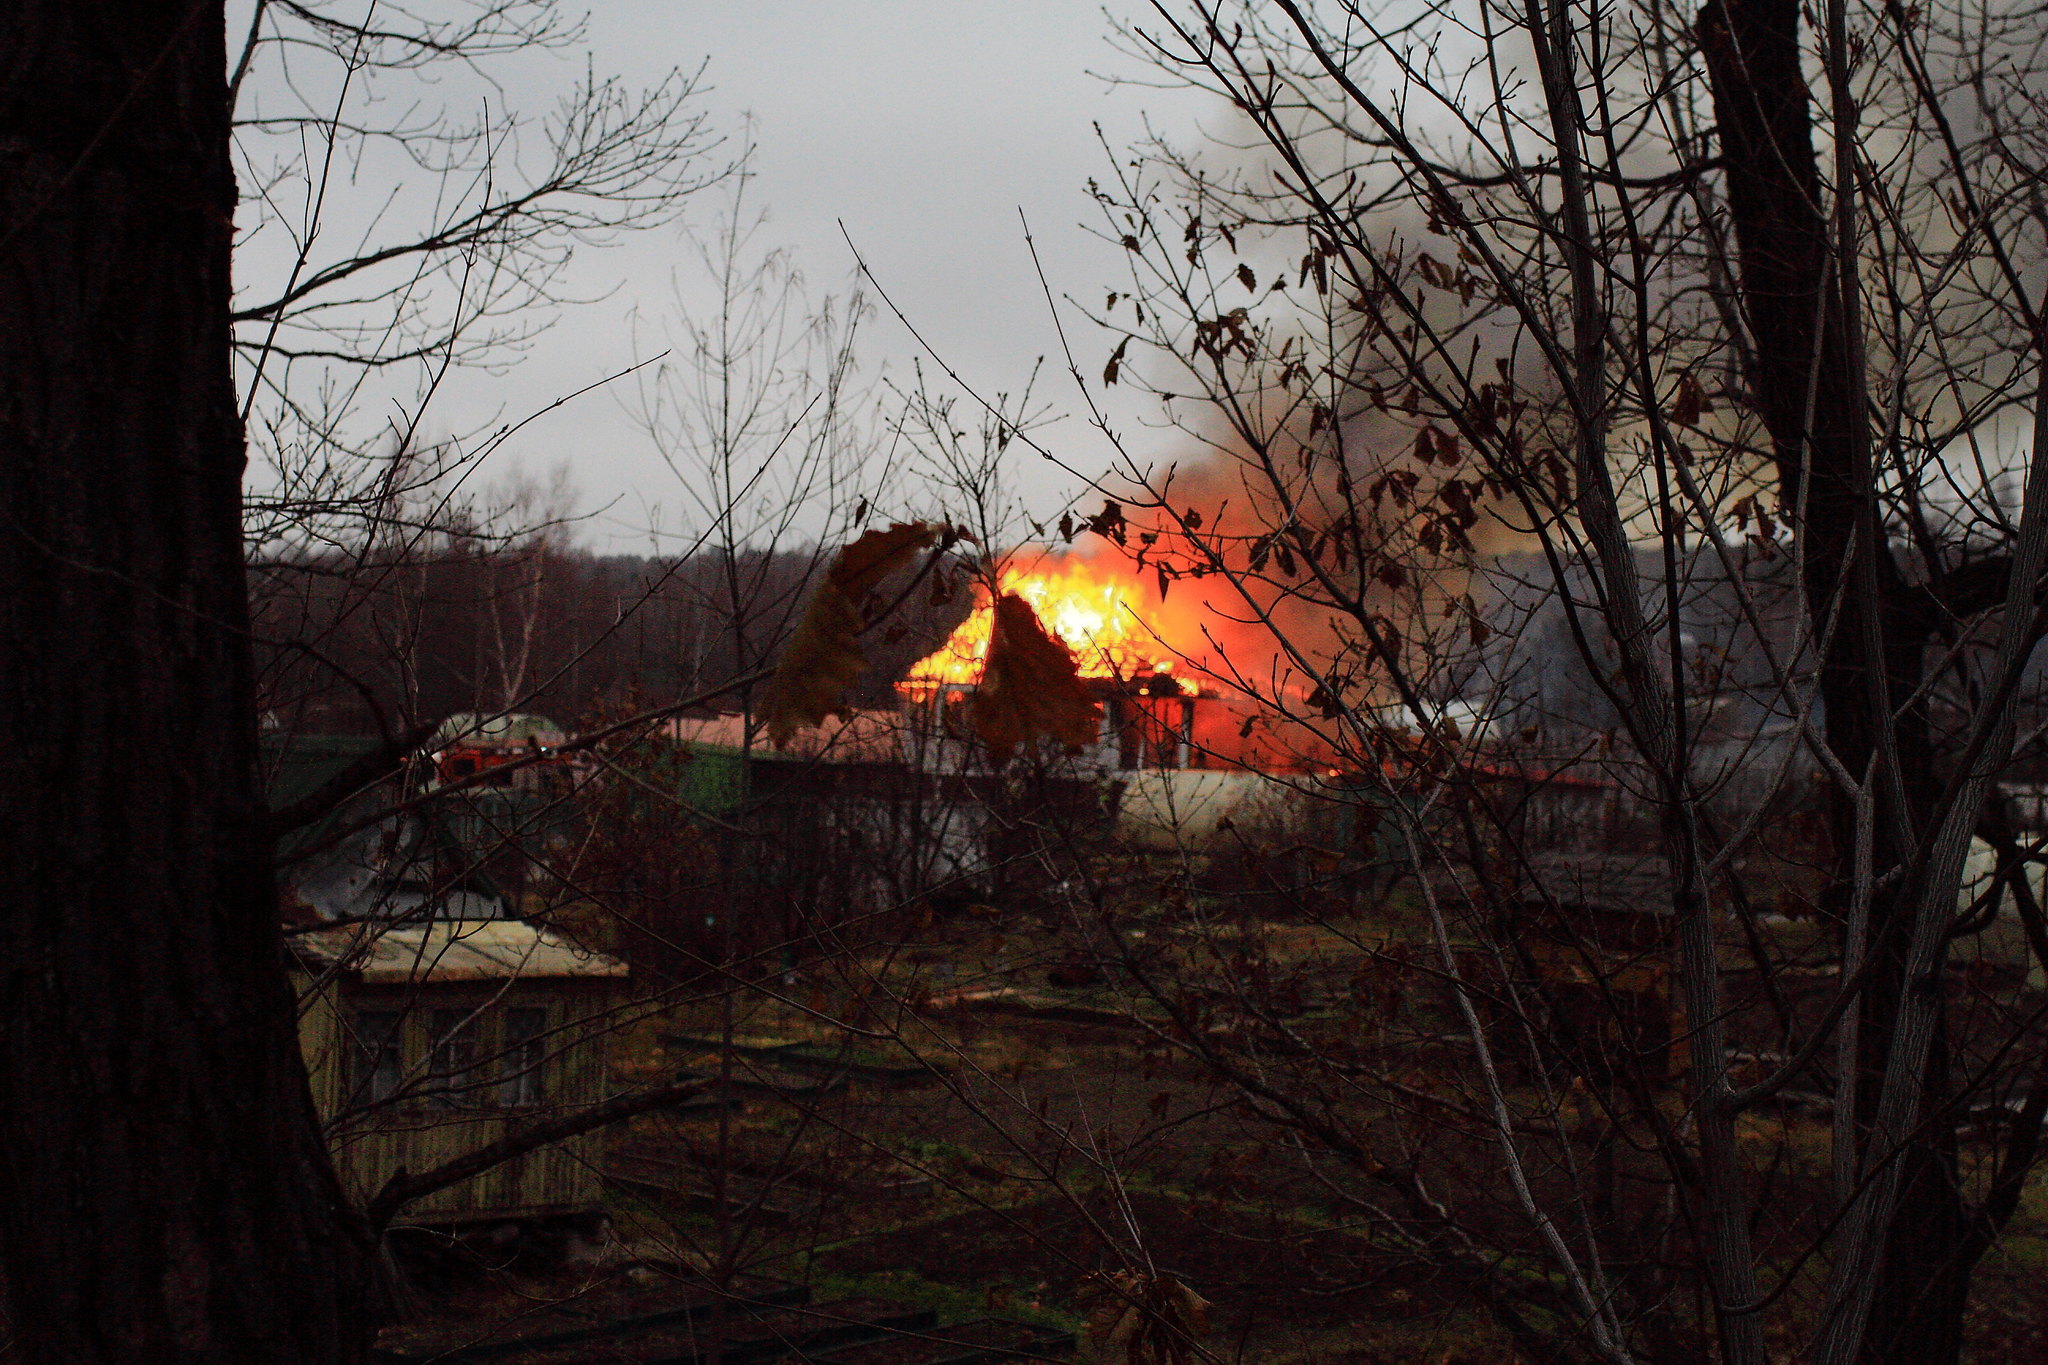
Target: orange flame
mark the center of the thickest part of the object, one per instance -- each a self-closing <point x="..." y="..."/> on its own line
<point x="1091" y="611"/>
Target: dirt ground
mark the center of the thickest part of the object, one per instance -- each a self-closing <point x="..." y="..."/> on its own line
<point x="1000" y="1134"/>
<point x="1058" y="1139"/>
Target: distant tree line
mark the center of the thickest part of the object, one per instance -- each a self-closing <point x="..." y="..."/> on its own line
<point x="361" y="643"/>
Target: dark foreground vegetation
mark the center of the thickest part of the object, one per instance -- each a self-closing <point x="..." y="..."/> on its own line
<point x="1526" y="842"/>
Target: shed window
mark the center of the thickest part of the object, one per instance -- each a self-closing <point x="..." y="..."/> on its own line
<point x="378" y="1067"/>
<point x="524" y="1057"/>
<point x="452" y="1072"/>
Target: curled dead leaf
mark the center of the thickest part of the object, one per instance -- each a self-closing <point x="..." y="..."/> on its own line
<point x="1690" y="403"/>
<point x="1116" y="361"/>
<point x="823" y="658"/>
<point x="1030" y="688"/>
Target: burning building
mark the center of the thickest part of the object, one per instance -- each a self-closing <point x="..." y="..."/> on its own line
<point x="1151" y="698"/>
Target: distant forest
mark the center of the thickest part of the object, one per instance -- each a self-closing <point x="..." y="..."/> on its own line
<point x="357" y="644"/>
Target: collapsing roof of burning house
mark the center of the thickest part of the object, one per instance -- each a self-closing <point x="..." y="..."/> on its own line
<point x="1154" y="666"/>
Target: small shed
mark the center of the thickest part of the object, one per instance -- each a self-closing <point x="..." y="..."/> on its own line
<point x="427" y="1041"/>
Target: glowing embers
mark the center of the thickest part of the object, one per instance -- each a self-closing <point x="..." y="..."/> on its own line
<point x="1090" y="608"/>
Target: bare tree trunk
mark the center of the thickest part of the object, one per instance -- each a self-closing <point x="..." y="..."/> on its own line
<point x="165" y="1194"/>
<point x="1799" y="305"/>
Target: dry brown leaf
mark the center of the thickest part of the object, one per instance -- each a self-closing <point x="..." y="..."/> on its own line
<point x="1135" y="1318"/>
<point x="1691" y="403"/>
<point x="1030" y="688"/>
<point x="824" y="657"/>
<point x="861" y="566"/>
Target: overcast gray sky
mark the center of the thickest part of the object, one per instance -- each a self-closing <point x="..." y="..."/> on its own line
<point x="923" y="125"/>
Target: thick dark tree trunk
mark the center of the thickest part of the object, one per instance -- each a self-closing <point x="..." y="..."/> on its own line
<point x="1803" y="378"/>
<point x="165" y="1194"/>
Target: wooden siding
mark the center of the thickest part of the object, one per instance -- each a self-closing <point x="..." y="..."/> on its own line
<point x="558" y="1179"/>
<point x="419" y="1133"/>
<point x="321" y="1040"/>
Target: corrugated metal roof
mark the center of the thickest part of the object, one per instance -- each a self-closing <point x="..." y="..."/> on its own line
<point x="454" y="950"/>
